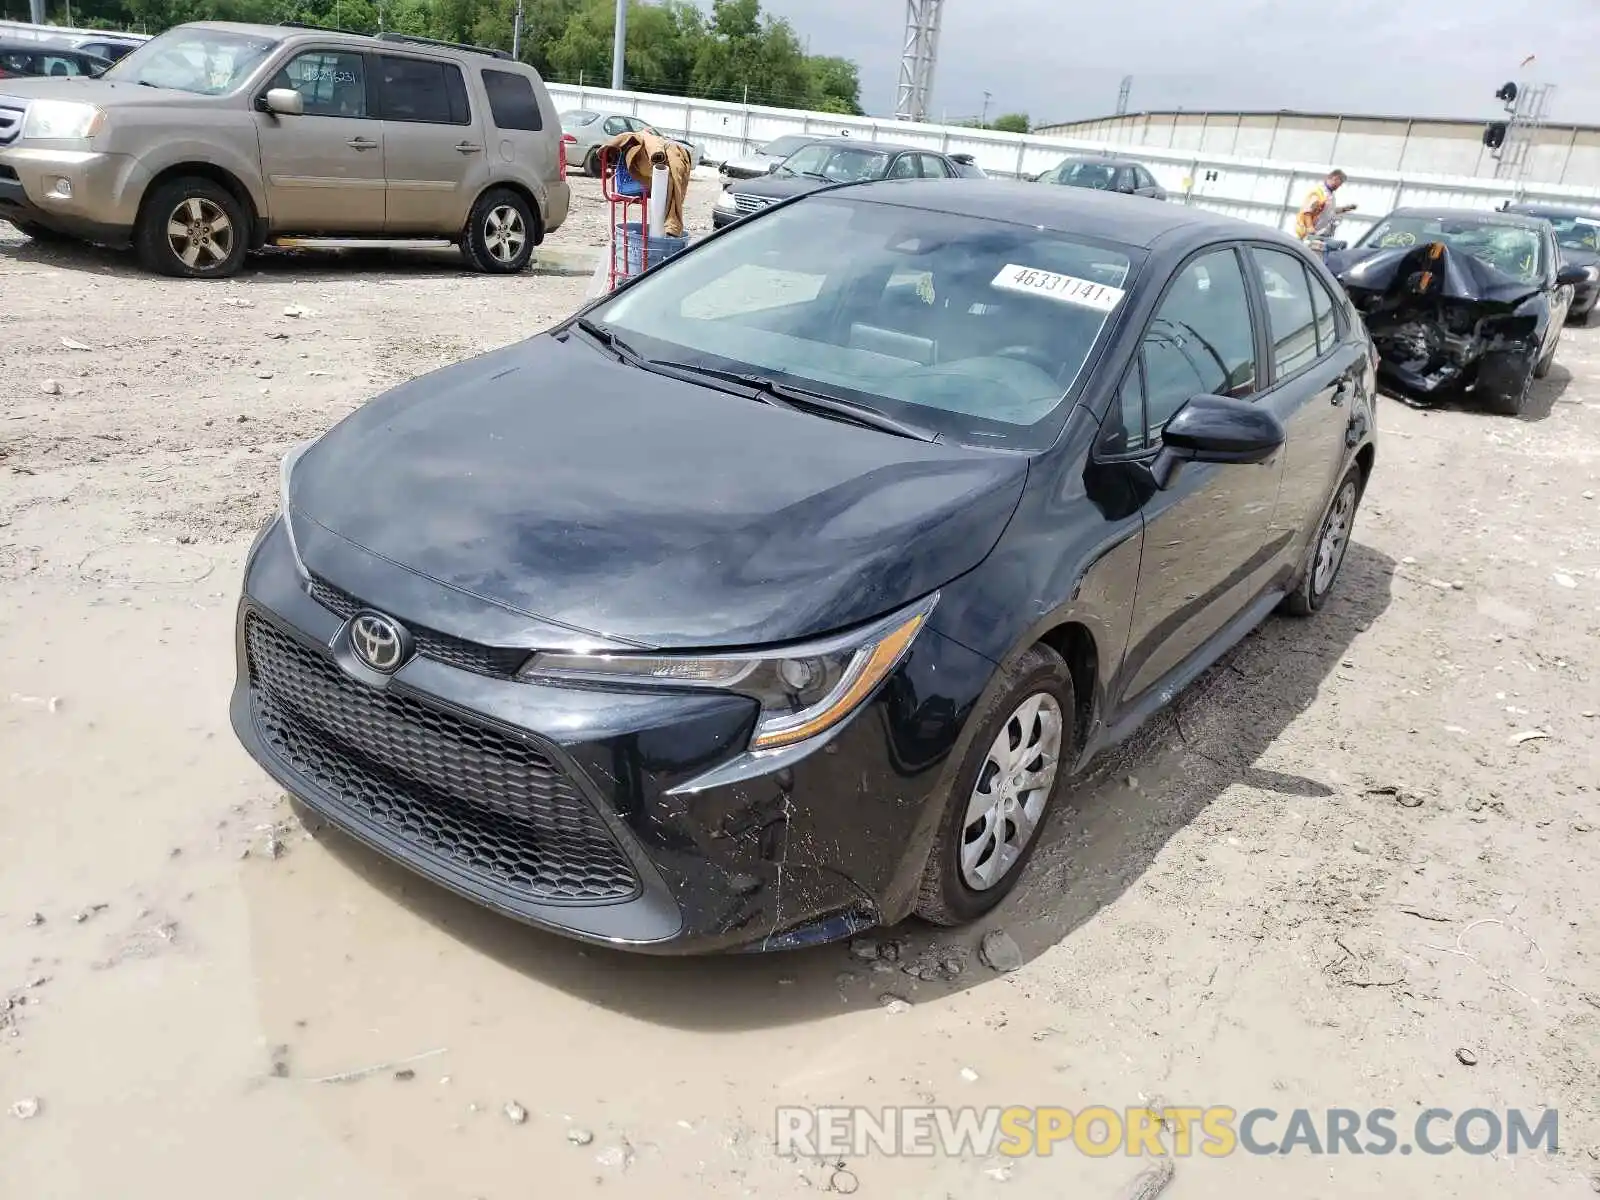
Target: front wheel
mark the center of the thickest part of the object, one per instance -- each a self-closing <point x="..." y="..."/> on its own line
<point x="1328" y="550"/>
<point x="1017" y="764"/>
<point x="499" y="237"/>
<point x="1505" y="381"/>
<point x="193" y="228"/>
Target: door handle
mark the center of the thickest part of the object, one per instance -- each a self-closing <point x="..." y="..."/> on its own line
<point x="362" y="143"/>
<point x="468" y="147"/>
<point x="1341" y="391"/>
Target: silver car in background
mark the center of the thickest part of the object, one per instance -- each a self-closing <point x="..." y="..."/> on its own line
<point x="587" y="129"/>
<point x="753" y="166"/>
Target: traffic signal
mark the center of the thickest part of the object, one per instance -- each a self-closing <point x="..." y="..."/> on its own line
<point x="1507" y="93"/>
<point x="1494" y="134"/>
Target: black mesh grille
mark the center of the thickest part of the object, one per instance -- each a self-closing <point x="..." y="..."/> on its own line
<point x="480" y="801"/>
<point x="495" y="661"/>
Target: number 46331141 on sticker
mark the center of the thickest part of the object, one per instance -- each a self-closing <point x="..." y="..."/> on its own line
<point x="1068" y="289"/>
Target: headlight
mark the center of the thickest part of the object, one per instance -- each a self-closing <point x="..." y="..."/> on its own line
<point x="804" y="690"/>
<point x="285" y="469"/>
<point x="62" y="119"/>
<point x="1593" y="273"/>
<point x="726" y="203"/>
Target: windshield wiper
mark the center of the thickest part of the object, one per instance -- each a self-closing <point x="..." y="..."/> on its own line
<point x="608" y="338"/>
<point x="808" y="401"/>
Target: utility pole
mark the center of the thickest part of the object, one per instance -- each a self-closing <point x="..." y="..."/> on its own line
<point x="516" y="33"/>
<point x="1510" y="142"/>
<point x="983" y="117"/>
<point x="36" y="11"/>
<point x="619" y="42"/>
<point x="1122" y="94"/>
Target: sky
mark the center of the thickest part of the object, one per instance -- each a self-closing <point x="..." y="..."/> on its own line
<point x="1058" y="61"/>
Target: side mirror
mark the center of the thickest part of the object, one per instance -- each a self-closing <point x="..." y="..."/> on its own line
<point x="1216" y="429"/>
<point x="1570" y="274"/>
<point x="772" y="167"/>
<point x="285" y="102"/>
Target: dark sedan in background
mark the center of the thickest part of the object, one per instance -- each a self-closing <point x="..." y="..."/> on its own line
<point x="837" y="160"/>
<point x="1578" y="235"/>
<point x="22" y="59"/>
<point x="1456" y="299"/>
<point x="1105" y="175"/>
<point x="784" y="591"/>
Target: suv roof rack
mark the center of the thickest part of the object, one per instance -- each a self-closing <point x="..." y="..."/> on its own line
<point x="390" y="35"/>
<point x="413" y="39"/>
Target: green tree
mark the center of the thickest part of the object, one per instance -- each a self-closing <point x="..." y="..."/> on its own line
<point x="835" y="84"/>
<point x="1011" y="123"/>
<point x="661" y="46"/>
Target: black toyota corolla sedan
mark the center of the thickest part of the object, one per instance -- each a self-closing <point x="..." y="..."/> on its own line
<point x="781" y="593"/>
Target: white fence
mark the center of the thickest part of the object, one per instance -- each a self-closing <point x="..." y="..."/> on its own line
<point x="1263" y="190"/>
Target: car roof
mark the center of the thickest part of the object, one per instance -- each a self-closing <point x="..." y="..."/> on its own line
<point x="50" y="48"/>
<point x="1104" y="159"/>
<point x="1488" y="215"/>
<point x="395" y="43"/>
<point x="1550" y="210"/>
<point x="1083" y="211"/>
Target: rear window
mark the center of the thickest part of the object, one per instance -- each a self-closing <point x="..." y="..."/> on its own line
<point x="511" y="100"/>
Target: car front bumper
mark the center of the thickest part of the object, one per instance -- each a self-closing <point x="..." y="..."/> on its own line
<point x="79" y="193"/>
<point x="566" y="808"/>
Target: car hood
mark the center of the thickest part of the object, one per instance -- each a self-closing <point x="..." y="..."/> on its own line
<point x="107" y="93"/>
<point x="557" y="483"/>
<point x="753" y="162"/>
<point x="778" y="187"/>
<point x="1574" y="256"/>
<point x="1429" y="269"/>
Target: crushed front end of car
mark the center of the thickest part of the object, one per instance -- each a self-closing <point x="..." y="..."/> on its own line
<point x="1437" y="316"/>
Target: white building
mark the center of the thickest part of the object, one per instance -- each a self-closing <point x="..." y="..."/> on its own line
<point x="1568" y="154"/>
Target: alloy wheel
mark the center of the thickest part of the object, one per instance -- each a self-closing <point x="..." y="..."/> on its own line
<point x="200" y="233"/>
<point x="1335" y="538"/>
<point x="1013" y="787"/>
<point x="504" y="233"/>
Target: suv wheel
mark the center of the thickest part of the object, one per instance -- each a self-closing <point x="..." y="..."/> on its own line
<point x="192" y="228"/>
<point x="500" y="233"/>
<point x="1014" y="769"/>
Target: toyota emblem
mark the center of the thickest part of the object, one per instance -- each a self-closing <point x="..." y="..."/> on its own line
<point x="377" y="641"/>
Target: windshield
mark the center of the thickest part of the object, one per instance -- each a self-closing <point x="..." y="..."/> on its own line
<point x="784" y="146"/>
<point x="1086" y="174"/>
<point x="842" y="164"/>
<point x="1575" y="231"/>
<point x="208" y="62"/>
<point x="1513" y="250"/>
<point x="973" y="328"/>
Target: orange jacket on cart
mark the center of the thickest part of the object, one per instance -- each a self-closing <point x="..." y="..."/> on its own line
<point x="644" y="153"/>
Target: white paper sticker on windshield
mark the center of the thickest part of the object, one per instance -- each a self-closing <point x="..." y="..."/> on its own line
<point x="1587" y="221"/>
<point x="1068" y="289"/>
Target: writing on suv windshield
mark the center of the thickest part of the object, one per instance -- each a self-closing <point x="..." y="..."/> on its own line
<point x="976" y="329"/>
<point x="204" y="61"/>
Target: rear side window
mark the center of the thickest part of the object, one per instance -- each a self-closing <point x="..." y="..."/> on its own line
<point x="511" y="101"/>
<point x="1290" y="319"/>
<point x="430" y="93"/>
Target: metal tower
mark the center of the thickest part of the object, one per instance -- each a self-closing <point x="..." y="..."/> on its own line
<point x="920" y="57"/>
<point x="1526" y="104"/>
<point x="1122" y="94"/>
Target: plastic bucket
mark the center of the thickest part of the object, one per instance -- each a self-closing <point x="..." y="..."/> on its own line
<point x="628" y="248"/>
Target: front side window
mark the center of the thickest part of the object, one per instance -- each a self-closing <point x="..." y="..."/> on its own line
<point x="905" y="167"/>
<point x="330" y="83"/>
<point x="977" y="329"/>
<point x="1291" y="321"/>
<point x="421" y="91"/>
<point x="1201" y="341"/>
<point x="512" y="103"/>
<point x="208" y="62"/>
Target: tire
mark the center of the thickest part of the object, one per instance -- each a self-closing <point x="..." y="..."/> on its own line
<point x="1326" y="554"/>
<point x="216" y="230"/>
<point x="1542" y="367"/>
<point x="1036" y="693"/>
<point x="1504" y="383"/>
<point x="591" y="164"/>
<point x="500" y="233"/>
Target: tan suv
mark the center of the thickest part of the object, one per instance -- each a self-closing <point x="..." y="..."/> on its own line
<point x="215" y="139"/>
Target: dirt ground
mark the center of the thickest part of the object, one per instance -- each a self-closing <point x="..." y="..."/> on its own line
<point x="1330" y="876"/>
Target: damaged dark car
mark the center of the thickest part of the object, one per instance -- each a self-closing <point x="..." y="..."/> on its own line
<point x="783" y="591"/>
<point x="1457" y="301"/>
